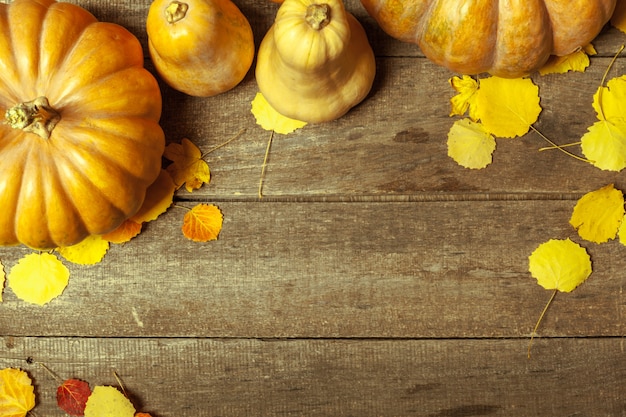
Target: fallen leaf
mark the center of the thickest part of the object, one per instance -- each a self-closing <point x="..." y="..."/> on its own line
<point x="604" y="144"/>
<point x="203" y="223"/>
<point x="143" y="415"/>
<point x="560" y="265"/>
<point x="621" y="232"/>
<point x="159" y="198"/>
<point x="465" y="100"/>
<point x="89" y="251"/>
<point x="598" y="214"/>
<point x="507" y="107"/>
<point x="124" y="233"/>
<point x="470" y="145"/>
<point x="107" y="401"/>
<point x="618" y="19"/>
<point x="270" y="119"/>
<point x="577" y="61"/>
<point x="610" y="102"/>
<point x="187" y="165"/>
<point x="38" y="278"/>
<point x="17" y="394"/>
<point x="72" y="396"/>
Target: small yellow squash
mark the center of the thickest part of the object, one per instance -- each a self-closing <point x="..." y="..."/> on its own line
<point x="200" y="47"/>
<point x="315" y="63"/>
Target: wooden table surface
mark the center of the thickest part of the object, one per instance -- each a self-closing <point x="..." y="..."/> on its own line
<point x="376" y="277"/>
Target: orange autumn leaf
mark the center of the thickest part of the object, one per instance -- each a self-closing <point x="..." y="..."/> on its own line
<point x="125" y="232"/>
<point x="159" y="198"/>
<point x="187" y="165"/>
<point x="143" y="415"/>
<point x="203" y="223"/>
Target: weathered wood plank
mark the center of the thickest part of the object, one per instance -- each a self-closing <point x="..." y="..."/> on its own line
<point x="434" y="378"/>
<point x="403" y="269"/>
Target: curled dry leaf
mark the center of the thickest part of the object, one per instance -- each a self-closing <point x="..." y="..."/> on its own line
<point x="203" y="223"/>
<point x="598" y="214"/>
<point x="187" y="165"/>
<point x="72" y="396"/>
<point x="88" y="252"/>
<point x="38" y="278"/>
<point x="17" y="394"/>
<point x="465" y="100"/>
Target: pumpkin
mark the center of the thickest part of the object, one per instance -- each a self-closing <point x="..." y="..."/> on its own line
<point x="200" y="47"/>
<point x="80" y="142"/>
<point x="505" y="38"/>
<point x="315" y="62"/>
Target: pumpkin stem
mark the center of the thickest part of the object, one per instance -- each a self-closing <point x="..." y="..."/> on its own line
<point x="176" y="11"/>
<point x="318" y="15"/>
<point x="35" y="116"/>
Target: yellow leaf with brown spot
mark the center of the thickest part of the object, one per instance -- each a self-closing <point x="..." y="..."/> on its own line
<point x="203" y="223"/>
<point x="598" y="214"/>
<point x="560" y="265"/>
<point x="89" y="251"/>
<point x="17" y="394"/>
<point x="159" y="198"/>
<point x="38" y="278"/>
<point x="187" y="165"/>
<point x="269" y="119"/>
<point x="124" y="233"/>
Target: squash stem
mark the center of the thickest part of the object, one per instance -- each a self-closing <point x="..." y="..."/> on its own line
<point x="318" y="16"/>
<point x="176" y="11"/>
<point x="36" y="116"/>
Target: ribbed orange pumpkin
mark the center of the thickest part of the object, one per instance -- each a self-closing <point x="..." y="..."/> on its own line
<point x="507" y="38"/>
<point x="81" y="141"/>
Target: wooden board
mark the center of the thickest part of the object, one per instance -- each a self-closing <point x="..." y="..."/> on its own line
<point x="375" y="277"/>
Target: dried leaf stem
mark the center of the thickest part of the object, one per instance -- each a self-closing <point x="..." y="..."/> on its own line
<point x="543" y="313"/>
<point x="267" y="154"/>
<point x="237" y="135"/>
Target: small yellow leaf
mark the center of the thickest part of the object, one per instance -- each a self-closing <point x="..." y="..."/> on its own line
<point x="187" y="165"/>
<point x="577" y="61"/>
<point x="38" y="278"/>
<point x="203" y="223"/>
<point x="270" y="119"/>
<point x="560" y="265"/>
<point x="17" y="394"/>
<point x="467" y="87"/>
<point x="470" y="145"/>
<point x="618" y="19"/>
<point x="604" y="144"/>
<point x="89" y="251"/>
<point x="610" y="102"/>
<point x="124" y="233"/>
<point x="598" y="214"/>
<point x="106" y="401"/>
<point x="621" y="232"/>
<point x="159" y="198"/>
<point x="507" y="107"/>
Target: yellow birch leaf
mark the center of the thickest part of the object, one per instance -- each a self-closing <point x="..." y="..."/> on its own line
<point x="17" y="394"/>
<point x="187" y="165"/>
<point x="2" y="280"/>
<point x="38" y="278"/>
<point x="124" y="233"/>
<point x="598" y="214"/>
<point x="270" y="119"/>
<point x="604" y="144"/>
<point x="577" y="61"/>
<point x="159" y="198"/>
<point x="507" y="107"/>
<point x="621" y="232"/>
<point x="618" y="19"/>
<point x="106" y="401"/>
<point x="610" y="102"/>
<point x="560" y="265"/>
<point x="203" y="223"/>
<point x="470" y="145"/>
<point x="89" y="251"/>
<point x="467" y="87"/>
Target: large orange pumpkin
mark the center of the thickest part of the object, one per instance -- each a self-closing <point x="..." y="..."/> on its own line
<point x="507" y="38"/>
<point x="81" y="140"/>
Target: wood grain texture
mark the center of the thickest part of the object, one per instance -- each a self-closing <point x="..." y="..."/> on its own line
<point x="251" y="377"/>
<point x="374" y="278"/>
